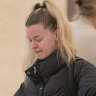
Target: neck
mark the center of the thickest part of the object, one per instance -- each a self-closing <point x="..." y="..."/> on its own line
<point x="93" y="18"/>
<point x="94" y="22"/>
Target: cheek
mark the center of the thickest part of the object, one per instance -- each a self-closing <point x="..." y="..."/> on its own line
<point x="50" y="44"/>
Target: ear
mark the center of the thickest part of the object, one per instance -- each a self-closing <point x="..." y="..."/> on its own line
<point x="56" y="34"/>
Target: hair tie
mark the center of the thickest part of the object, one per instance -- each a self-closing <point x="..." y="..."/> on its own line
<point x="79" y="2"/>
<point x="43" y="6"/>
<point x="37" y="6"/>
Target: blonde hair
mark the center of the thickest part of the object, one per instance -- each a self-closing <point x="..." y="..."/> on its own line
<point x="86" y="7"/>
<point x="49" y="15"/>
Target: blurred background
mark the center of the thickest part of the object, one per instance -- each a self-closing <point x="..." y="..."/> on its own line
<point x="13" y="14"/>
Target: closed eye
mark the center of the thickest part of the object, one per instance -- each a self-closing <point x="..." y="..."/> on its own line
<point x="38" y="39"/>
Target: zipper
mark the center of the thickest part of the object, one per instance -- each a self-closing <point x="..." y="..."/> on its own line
<point x="42" y="88"/>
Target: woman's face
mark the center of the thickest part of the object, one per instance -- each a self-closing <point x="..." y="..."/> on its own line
<point x="42" y="41"/>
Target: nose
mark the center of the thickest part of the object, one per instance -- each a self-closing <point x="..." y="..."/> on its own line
<point x="33" y="44"/>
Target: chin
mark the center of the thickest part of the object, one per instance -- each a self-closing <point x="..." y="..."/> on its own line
<point x="42" y="58"/>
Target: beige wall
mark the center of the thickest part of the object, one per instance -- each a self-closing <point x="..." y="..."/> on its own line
<point x="13" y="14"/>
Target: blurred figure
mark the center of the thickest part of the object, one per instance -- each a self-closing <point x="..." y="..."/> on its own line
<point x="84" y="29"/>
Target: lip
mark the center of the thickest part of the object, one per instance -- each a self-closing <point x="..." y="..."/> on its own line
<point x="37" y="51"/>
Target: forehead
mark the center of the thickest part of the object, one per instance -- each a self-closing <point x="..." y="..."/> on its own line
<point x="37" y="29"/>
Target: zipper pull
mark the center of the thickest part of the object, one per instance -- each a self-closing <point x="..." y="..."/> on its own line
<point x="34" y="69"/>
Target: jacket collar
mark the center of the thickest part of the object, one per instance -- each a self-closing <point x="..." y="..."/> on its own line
<point x="43" y="69"/>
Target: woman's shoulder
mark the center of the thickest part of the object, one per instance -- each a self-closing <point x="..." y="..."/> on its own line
<point x="26" y="86"/>
<point x="84" y="70"/>
<point x="85" y="76"/>
<point x="81" y="64"/>
<point x="20" y="91"/>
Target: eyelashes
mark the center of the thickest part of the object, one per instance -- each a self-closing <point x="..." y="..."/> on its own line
<point x="38" y="40"/>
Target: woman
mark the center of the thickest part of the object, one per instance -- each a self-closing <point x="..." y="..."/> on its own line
<point x="84" y="29"/>
<point x="54" y="70"/>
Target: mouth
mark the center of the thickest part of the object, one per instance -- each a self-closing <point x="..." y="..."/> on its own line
<point x="37" y="52"/>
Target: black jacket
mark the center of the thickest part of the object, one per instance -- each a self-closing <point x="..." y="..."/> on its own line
<point x="52" y="77"/>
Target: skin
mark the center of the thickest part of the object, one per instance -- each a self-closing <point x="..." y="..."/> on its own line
<point x="42" y="41"/>
<point x="92" y="18"/>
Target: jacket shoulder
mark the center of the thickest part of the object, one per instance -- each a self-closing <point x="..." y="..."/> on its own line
<point x="85" y="75"/>
<point x="20" y="91"/>
<point x="26" y="88"/>
<point x="82" y="66"/>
